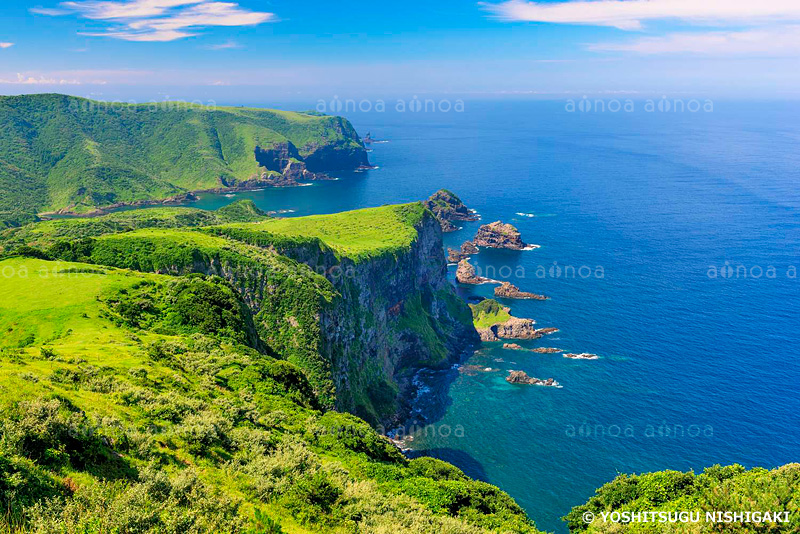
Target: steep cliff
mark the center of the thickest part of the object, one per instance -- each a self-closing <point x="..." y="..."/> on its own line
<point x="359" y="300"/>
<point x="394" y="310"/>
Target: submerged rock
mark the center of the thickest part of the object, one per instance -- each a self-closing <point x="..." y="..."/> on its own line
<point x="447" y="207"/>
<point x="582" y="356"/>
<point x="521" y="377"/>
<point x="499" y="235"/>
<point x="510" y="291"/>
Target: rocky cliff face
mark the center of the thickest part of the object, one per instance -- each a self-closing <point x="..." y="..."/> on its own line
<point x="396" y="314"/>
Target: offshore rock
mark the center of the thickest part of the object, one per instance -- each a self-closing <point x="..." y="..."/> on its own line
<point x="521" y="377"/>
<point x="447" y="207"/>
<point x="510" y="291"/>
<point x="499" y="235"/>
<point x="465" y="274"/>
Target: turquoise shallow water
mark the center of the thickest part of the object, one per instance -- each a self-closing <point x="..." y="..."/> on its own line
<point x="694" y="370"/>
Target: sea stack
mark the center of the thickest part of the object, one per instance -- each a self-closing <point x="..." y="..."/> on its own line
<point x="447" y="207"/>
<point x="465" y="274"/>
<point x="468" y="248"/>
<point x="499" y="235"/>
<point x="510" y="291"/>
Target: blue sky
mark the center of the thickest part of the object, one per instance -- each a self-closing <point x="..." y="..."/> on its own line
<point x="255" y="49"/>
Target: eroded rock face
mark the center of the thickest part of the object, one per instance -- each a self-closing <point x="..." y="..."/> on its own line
<point x="499" y="235"/>
<point x="448" y="208"/>
<point x="514" y="328"/>
<point x="468" y="248"/>
<point x="510" y="291"/>
<point x="465" y="274"/>
<point x="521" y="377"/>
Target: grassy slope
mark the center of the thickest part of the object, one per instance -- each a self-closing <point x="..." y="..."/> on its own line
<point x="488" y="313"/>
<point x="43" y="234"/>
<point x="190" y="428"/>
<point x="357" y="234"/>
<point x="66" y="152"/>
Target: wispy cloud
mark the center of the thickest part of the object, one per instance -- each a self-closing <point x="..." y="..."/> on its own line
<point x="229" y="45"/>
<point x="159" y="20"/>
<point x="632" y="14"/>
<point x="6" y="45"/>
<point x="771" y="41"/>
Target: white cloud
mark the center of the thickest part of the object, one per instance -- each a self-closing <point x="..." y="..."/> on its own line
<point x="160" y="20"/>
<point x="771" y="41"/>
<point x="6" y="45"/>
<point x="631" y="14"/>
<point x="104" y="10"/>
<point x="23" y="79"/>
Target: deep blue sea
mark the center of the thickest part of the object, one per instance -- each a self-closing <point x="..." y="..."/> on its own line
<point x="694" y="369"/>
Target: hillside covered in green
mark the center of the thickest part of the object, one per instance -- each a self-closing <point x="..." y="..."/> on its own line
<point x="68" y="154"/>
<point x="715" y="490"/>
<point x="136" y="402"/>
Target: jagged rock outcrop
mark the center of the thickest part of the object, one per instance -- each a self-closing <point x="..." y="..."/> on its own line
<point x="454" y="256"/>
<point x="514" y="328"/>
<point x="546" y="350"/>
<point x="513" y="346"/>
<point x="499" y="235"/>
<point x="447" y="207"/>
<point x="465" y="274"/>
<point x="581" y="356"/>
<point x="510" y="291"/>
<point x="521" y="377"/>
<point x="468" y="247"/>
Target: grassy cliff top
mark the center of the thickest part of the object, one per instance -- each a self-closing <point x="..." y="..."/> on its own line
<point x="356" y="234"/>
<point x="45" y="233"/>
<point x="488" y="313"/>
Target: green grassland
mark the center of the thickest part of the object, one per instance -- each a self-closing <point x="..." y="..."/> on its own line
<point x="61" y="152"/>
<point x="45" y="233"/>
<point x="358" y="234"/>
<point x="488" y="313"/>
<point x="130" y="403"/>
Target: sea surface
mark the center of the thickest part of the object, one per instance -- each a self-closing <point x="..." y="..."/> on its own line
<point x="675" y="235"/>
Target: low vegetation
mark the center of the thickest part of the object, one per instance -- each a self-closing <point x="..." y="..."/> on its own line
<point x="717" y="489"/>
<point x="489" y="312"/>
<point x="137" y="402"/>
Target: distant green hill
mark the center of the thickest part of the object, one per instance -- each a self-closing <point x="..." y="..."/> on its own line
<point x="63" y="153"/>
